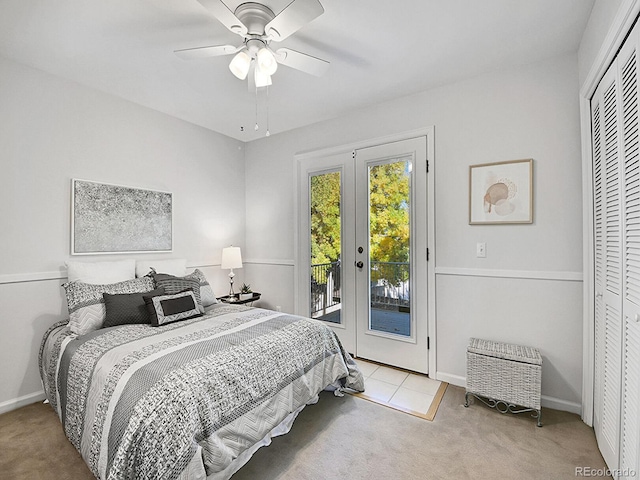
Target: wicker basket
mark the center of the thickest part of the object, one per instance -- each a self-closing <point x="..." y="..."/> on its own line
<point x="511" y="374"/>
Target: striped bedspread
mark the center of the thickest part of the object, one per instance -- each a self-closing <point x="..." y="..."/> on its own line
<point x="192" y="399"/>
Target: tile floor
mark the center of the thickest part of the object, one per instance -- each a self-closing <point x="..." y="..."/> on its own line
<point x="409" y="392"/>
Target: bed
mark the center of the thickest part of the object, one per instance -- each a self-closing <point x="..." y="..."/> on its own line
<point x="191" y="399"/>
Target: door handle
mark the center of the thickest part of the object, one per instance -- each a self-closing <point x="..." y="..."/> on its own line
<point x="359" y="264"/>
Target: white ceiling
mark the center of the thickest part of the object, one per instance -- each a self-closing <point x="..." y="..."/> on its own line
<point x="378" y="49"/>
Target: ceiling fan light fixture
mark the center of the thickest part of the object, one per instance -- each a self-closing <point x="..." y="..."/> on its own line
<point x="240" y="64"/>
<point x="267" y="61"/>
<point x="263" y="79"/>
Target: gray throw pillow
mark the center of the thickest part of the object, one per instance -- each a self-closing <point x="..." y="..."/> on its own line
<point x="206" y="292"/>
<point x="165" y="309"/>
<point x="172" y="284"/>
<point x="127" y="308"/>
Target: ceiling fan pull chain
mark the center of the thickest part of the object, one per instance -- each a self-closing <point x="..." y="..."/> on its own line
<point x="268" y="133"/>
<point x="256" y="127"/>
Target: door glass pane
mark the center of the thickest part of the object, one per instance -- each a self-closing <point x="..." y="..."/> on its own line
<point x="325" y="221"/>
<point x="389" y="242"/>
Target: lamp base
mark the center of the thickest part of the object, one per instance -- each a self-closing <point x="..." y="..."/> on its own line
<point x="231" y="275"/>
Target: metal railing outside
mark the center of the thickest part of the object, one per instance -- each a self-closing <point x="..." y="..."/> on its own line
<point x="325" y="287"/>
<point x="389" y="286"/>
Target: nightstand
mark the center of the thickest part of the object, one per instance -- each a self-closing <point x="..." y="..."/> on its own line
<point x="235" y="300"/>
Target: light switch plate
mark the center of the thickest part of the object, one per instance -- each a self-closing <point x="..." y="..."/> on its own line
<point x="481" y="250"/>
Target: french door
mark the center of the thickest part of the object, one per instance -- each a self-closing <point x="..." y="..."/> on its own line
<point x="363" y="249"/>
<point x="326" y="277"/>
<point x="391" y="284"/>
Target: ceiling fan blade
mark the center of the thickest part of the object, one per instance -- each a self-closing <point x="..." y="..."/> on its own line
<point x="225" y="16"/>
<point x="295" y="15"/>
<point x="302" y="61"/>
<point x="205" y="52"/>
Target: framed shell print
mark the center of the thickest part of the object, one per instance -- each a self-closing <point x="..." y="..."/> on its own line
<point x="501" y="192"/>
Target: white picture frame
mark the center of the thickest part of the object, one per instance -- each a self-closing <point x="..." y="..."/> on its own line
<point x="113" y="219"/>
<point x="501" y="193"/>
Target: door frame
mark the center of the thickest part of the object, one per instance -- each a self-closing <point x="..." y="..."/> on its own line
<point x="620" y="27"/>
<point x="302" y="157"/>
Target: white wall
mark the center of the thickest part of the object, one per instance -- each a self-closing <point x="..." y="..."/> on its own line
<point x="526" y="112"/>
<point x="602" y="15"/>
<point x="52" y="130"/>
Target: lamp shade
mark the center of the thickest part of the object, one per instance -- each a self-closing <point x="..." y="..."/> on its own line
<point x="267" y="61"/>
<point x="231" y="257"/>
<point x="240" y="64"/>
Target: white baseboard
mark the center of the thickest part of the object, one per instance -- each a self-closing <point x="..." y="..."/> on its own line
<point x="559" y="404"/>
<point x="545" y="400"/>
<point x="16" y="403"/>
<point x="456" y="380"/>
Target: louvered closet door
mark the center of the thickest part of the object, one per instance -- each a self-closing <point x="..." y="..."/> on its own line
<point x="608" y="267"/>
<point x="630" y="328"/>
<point x="616" y="170"/>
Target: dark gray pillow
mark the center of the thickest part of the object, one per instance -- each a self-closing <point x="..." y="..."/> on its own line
<point x="165" y="309"/>
<point x="127" y="308"/>
<point x="172" y="284"/>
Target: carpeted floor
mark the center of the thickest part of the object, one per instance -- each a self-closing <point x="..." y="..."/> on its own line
<point x="348" y="437"/>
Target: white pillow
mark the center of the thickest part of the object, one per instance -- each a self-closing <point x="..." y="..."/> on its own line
<point x="99" y="273"/>
<point x="174" y="266"/>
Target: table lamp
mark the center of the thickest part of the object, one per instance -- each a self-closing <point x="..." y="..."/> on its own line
<point x="231" y="258"/>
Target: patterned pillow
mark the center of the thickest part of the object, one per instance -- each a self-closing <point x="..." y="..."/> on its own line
<point x="206" y="292"/>
<point x="127" y="308"/>
<point x="165" y="309"/>
<point x="173" y="285"/>
<point x="86" y="301"/>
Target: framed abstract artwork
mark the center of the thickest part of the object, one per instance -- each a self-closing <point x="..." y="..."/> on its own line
<point x="501" y="192"/>
<point x="109" y="218"/>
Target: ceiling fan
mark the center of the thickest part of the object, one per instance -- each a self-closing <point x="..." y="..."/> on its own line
<point x="259" y="26"/>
